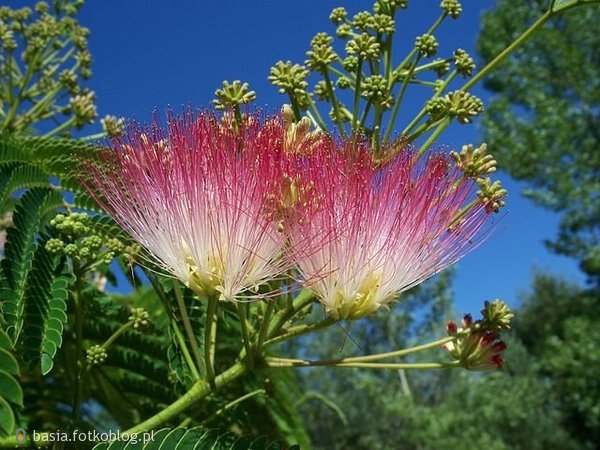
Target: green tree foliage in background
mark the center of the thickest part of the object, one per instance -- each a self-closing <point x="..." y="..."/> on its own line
<point x="544" y="121"/>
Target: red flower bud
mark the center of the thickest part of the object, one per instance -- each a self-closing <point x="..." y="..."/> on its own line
<point x="451" y="328"/>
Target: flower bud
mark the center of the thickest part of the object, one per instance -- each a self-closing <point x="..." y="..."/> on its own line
<point x="427" y="45"/>
<point x="139" y="317"/>
<point x="233" y="95"/>
<point x="363" y="46"/>
<point x="96" y="355"/>
<point x="451" y="7"/>
<point x="338" y="15"/>
<point x="464" y="63"/>
<point x="496" y="316"/>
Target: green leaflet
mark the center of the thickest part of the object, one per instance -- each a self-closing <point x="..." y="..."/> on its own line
<point x="15" y="176"/>
<point x="45" y="311"/>
<point x="563" y="5"/>
<point x="193" y="439"/>
<point x="56" y="320"/>
<point x="10" y="390"/>
<point x="19" y="251"/>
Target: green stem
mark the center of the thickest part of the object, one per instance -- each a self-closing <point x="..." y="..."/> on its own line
<point x="507" y="51"/>
<point x="210" y="337"/>
<point x="116" y="334"/>
<point x="317" y="119"/>
<point x="300" y="330"/>
<point x="438" y="131"/>
<point x="186" y="353"/>
<point x="233" y="403"/>
<point x="414" y="122"/>
<point x="399" y="353"/>
<point x="365" y="113"/>
<point x="302" y="300"/>
<point x="198" y="391"/>
<point x="388" y="56"/>
<point x="242" y="308"/>
<point x="79" y="356"/>
<point x="334" y="102"/>
<point x="288" y="363"/>
<point x="295" y="107"/>
<point x="356" y="96"/>
<point x="264" y="328"/>
<point x="187" y="326"/>
<point x="60" y="128"/>
<point x="398" y="101"/>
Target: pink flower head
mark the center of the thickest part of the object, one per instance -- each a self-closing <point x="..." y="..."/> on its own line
<point x="194" y="194"/>
<point x="369" y="231"/>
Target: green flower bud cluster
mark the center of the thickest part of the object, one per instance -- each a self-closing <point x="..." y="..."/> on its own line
<point x="321" y="53"/>
<point x="363" y="21"/>
<point x="491" y="194"/>
<point x="350" y="64"/>
<point x="379" y="23"/>
<point x="96" y="355"/>
<point x="363" y="46"/>
<point x="496" y="316"/>
<point x="291" y="80"/>
<point x="338" y="15"/>
<point x="83" y="108"/>
<point x="389" y="7"/>
<point x="52" y="62"/>
<point x="139" y="318"/>
<point x="427" y="45"/>
<point x="232" y="95"/>
<point x="375" y="88"/>
<point x="457" y="104"/>
<point x="131" y="253"/>
<point x="113" y="126"/>
<point x="344" y="31"/>
<point x="464" y="63"/>
<point x="474" y="162"/>
<point x="343" y="82"/>
<point x="451" y="7"/>
<point x="72" y="226"/>
<point x="464" y="106"/>
<point x="77" y="240"/>
<point x="383" y="23"/>
<point x="437" y="108"/>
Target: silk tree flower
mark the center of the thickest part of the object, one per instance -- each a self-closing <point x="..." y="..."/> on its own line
<point x="194" y="195"/>
<point x="362" y="233"/>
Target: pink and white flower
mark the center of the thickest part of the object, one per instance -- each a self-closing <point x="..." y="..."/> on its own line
<point x="365" y="232"/>
<point x="195" y="196"/>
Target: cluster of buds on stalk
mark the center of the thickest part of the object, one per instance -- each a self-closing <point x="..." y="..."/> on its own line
<point x="477" y="345"/>
<point x="476" y="164"/>
<point x="139" y="319"/>
<point x="113" y="126"/>
<point x="76" y="237"/>
<point x="44" y="59"/>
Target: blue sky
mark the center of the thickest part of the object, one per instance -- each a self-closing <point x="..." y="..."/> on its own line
<point x="150" y="54"/>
